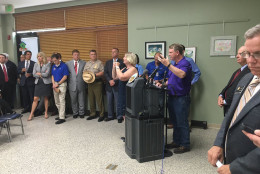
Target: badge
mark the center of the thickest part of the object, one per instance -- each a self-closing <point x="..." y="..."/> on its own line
<point x="239" y="89"/>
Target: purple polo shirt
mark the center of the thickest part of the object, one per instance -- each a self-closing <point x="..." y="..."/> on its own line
<point x="178" y="86"/>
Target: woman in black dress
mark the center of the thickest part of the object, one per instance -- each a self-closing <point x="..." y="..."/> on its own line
<point x="124" y="75"/>
<point x="41" y="72"/>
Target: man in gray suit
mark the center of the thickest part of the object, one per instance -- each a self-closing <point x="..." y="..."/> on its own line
<point x="76" y="84"/>
<point x="239" y="153"/>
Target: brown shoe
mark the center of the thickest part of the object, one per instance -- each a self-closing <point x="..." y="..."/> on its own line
<point x="181" y="149"/>
<point x="169" y="126"/>
<point x="172" y="145"/>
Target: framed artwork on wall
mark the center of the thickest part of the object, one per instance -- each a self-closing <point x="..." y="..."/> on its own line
<point x="223" y="45"/>
<point x="152" y="47"/>
<point x="190" y="52"/>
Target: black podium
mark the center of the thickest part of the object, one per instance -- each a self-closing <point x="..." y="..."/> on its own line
<point x="143" y="125"/>
<point x="144" y="138"/>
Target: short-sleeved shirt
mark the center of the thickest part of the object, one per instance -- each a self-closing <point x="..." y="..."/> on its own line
<point x="161" y="70"/>
<point x="59" y="71"/>
<point x="140" y="69"/>
<point x="94" y="67"/>
<point x="180" y="86"/>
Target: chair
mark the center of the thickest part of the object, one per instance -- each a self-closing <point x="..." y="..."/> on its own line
<point x="5" y="124"/>
<point x="13" y="116"/>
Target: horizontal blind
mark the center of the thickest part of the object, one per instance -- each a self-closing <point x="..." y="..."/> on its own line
<point x="97" y="15"/>
<point x="64" y="42"/>
<point x="40" y="20"/>
<point x="106" y="40"/>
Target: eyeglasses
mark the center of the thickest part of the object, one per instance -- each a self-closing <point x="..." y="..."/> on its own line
<point x="246" y="55"/>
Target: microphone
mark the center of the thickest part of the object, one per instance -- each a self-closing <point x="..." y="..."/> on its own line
<point x="144" y="73"/>
<point x="153" y="73"/>
<point x="164" y="76"/>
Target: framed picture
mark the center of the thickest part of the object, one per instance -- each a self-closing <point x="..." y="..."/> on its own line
<point x="223" y="45"/>
<point x="152" y="47"/>
<point x="190" y="52"/>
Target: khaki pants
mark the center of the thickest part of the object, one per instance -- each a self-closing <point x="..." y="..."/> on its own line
<point x="60" y="99"/>
<point x="95" y="94"/>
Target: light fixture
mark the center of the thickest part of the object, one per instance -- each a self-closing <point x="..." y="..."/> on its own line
<point x="42" y="30"/>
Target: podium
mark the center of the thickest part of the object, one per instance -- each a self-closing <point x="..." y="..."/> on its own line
<point x="144" y="138"/>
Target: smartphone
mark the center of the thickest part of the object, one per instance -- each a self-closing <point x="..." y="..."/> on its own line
<point x="247" y="128"/>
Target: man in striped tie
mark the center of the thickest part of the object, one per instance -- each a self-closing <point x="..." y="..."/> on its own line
<point x="231" y="147"/>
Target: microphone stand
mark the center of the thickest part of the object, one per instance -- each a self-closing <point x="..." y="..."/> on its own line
<point x="167" y="153"/>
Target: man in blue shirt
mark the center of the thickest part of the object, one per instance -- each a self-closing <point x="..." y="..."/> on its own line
<point x="156" y="64"/>
<point x="179" y="85"/>
<point x="60" y="74"/>
<point x="161" y="74"/>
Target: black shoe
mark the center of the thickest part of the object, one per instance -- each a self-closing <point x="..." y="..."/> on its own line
<point x="91" y="117"/>
<point x="60" y="121"/>
<point x="54" y="113"/>
<point x="57" y="118"/>
<point x="75" y="116"/>
<point x="24" y="111"/>
<point x="172" y="145"/>
<point x="81" y="116"/>
<point x="108" y="119"/>
<point x="181" y="149"/>
<point x="120" y="120"/>
<point x="11" y="112"/>
<point x="38" y="113"/>
<point x="100" y="119"/>
<point x="123" y="139"/>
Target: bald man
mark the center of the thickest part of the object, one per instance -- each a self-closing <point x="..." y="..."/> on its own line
<point x="226" y="95"/>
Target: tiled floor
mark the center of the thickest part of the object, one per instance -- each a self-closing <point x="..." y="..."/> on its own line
<point x="80" y="146"/>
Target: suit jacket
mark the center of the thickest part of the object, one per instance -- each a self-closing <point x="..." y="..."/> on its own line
<point x="76" y="81"/>
<point x="11" y="72"/>
<point x="45" y="72"/>
<point x="29" y="81"/>
<point x="230" y="88"/>
<point x="108" y="73"/>
<point x="242" y="155"/>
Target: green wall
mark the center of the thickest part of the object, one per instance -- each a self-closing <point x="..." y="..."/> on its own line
<point x="215" y="71"/>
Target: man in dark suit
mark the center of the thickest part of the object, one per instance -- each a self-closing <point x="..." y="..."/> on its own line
<point x="8" y="83"/>
<point x="226" y="95"/>
<point x="239" y="153"/>
<point x="111" y="85"/>
<point x="25" y="70"/>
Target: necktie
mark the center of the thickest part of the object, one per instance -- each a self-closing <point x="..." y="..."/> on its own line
<point x="76" y="67"/>
<point x="27" y="65"/>
<point x="245" y="98"/>
<point x="238" y="72"/>
<point x="5" y="73"/>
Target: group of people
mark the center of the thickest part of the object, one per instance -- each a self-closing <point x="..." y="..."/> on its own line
<point x="236" y="148"/>
<point x="50" y="78"/>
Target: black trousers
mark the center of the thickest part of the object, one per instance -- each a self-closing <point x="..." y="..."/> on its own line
<point x="5" y="107"/>
<point x="28" y="94"/>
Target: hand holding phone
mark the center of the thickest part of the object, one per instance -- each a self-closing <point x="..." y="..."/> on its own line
<point x="248" y="129"/>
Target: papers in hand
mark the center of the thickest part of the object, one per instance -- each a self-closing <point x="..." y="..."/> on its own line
<point x="219" y="164"/>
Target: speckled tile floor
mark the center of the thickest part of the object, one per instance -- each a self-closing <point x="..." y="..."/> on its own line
<point x="87" y="147"/>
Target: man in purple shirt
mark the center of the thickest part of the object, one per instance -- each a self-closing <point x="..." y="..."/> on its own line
<point x="179" y="84"/>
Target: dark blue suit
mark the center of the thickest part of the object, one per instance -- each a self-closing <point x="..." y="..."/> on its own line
<point x="111" y="91"/>
<point x="9" y="88"/>
<point x="27" y="84"/>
